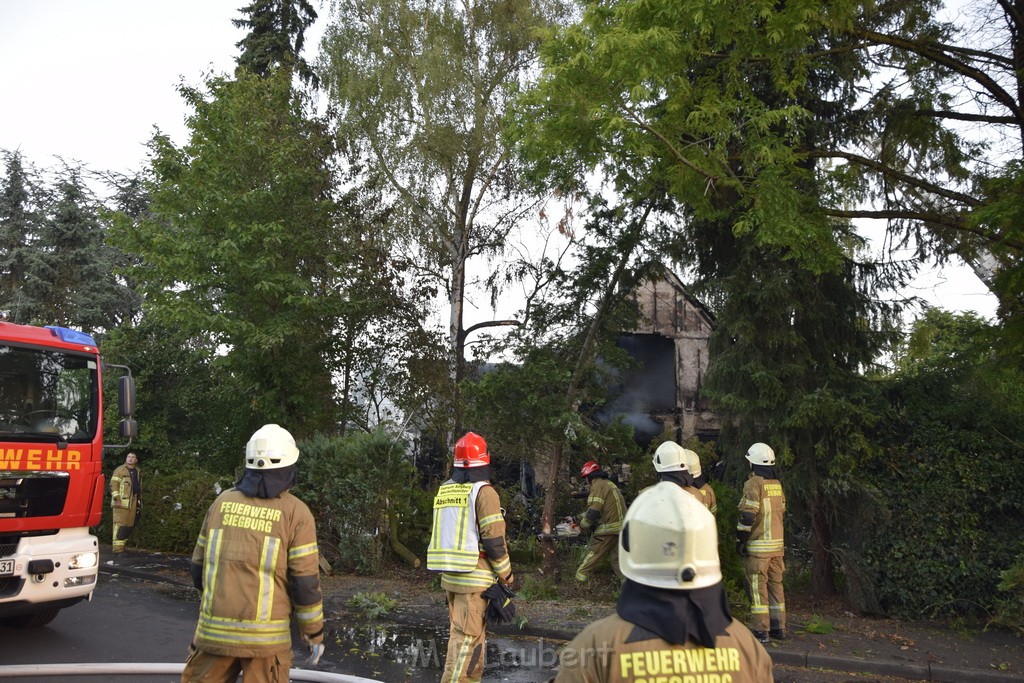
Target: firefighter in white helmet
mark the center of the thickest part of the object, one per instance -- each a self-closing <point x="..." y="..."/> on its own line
<point x="672" y="601"/>
<point x="670" y="462"/>
<point x="257" y="564"/>
<point x="467" y="545"/>
<point x="699" y="481"/>
<point x="759" y="540"/>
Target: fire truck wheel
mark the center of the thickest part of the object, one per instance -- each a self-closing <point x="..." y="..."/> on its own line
<point x="40" y="618"/>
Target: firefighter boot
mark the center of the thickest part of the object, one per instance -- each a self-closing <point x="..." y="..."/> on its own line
<point x="777" y="634"/>
<point x="762" y="636"/>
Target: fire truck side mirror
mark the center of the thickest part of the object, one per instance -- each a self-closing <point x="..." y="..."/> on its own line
<point x="126" y="397"/>
<point x="129" y="428"/>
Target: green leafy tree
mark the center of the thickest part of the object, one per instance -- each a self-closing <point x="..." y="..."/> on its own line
<point x="714" y="104"/>
<point x="18" y="222"/>
<point x="71" y="266"/>
<point x="546" y="405"/>
<point x="420" y="90"/>
<point x="243" y="247"/>
<point x="717" y="101"/>
<point x="189" y="407"/>
<point x="276" y="37"/>
<point x="788" y="359"/>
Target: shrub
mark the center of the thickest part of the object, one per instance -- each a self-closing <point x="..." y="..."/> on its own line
<point x="174" y="507"/>
<point x="353" y="485"/>
<point x="1010" y="609"/>
<point x="372" y="605"/>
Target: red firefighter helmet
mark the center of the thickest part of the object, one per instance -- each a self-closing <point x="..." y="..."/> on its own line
<point x="589" y="468"/>
<point x="471" y="451"/>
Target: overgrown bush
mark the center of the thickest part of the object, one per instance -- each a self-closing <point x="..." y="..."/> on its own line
<point x="174" y="506"/>
<point x="353" y="485"/>
<point x="951" y="476"/>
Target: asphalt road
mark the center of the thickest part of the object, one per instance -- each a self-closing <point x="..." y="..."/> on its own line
<point x="129" y="620"/>
<point x="126" y="621"/>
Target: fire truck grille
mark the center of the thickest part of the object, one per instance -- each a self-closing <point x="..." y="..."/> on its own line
<point x="33" y="495"/>
<point x="8" y="549"/>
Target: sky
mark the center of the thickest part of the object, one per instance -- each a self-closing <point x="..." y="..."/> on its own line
<point x="90" y="81"/>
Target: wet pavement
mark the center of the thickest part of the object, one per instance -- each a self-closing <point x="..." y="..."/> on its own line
<point x="390" y="652"/>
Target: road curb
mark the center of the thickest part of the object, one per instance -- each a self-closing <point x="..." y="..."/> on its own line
<point x="143" y="575"/>
<point x="928" y="672"/>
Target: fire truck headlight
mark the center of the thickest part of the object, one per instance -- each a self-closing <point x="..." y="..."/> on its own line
<point x="83" y="561"/>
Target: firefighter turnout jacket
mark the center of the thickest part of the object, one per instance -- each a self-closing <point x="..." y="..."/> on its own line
<point x="259" y="566"/>
<point x="762" y="508"/>
<point x="606" y="508"/>
<point x="613" y="650"/>
<point x="708" y="497"/>
<point x="467" y="539"/>
<point x="125" y="491"/>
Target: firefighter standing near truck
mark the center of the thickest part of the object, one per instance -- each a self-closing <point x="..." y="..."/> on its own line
<point x="125" y="500"/>
<point x="605" y="509"/>
<point x="759" y="540"/>
<point x="672" y="619"/>
<point x="257" y="565"/>
<point x="467" y="545"/>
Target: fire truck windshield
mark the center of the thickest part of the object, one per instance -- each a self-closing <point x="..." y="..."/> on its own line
<point x="46" y="394"/>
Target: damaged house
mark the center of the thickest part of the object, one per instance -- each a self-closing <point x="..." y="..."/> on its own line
<point x="670" y="347"/>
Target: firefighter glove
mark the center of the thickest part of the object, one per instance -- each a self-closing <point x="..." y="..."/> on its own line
<point x="741" y="549"/>
<point x="315" y="643"/>
<point x="507" y="581"/>
<point x="500" y="608"/>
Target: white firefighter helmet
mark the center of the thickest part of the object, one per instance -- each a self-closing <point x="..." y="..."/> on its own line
<point x="692" y="462"/>
<point x="271" y="447"/>
<point x="760" y="454"/>
<point x="669" y="540"/>
<point x="669" y="457"/>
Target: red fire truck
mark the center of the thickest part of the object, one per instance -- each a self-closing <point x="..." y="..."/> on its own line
<point x="52" y="487"/>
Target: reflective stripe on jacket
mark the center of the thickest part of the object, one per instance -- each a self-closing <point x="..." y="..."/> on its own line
<point x="606" y="498"/>
<point x="455" y="534"/>
<point x="490" y="557"/>
<point x="764" y="501"/>
<point x="121" y="495"/>
<point x="260" y="566"/>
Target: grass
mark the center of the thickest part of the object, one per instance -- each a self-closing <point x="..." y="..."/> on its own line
<point x="372" y="605"/>
<point x="818" y="625"/>
<point x="537" y="589"/>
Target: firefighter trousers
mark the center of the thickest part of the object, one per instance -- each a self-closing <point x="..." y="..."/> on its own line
<point x="764" y="587"/>
<point x="203" y="667"/>
<point x="605" y="545"/>
<point x="467" y="636"/>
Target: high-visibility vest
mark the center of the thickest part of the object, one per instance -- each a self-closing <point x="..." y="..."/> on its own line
<point x="455" y="535"/>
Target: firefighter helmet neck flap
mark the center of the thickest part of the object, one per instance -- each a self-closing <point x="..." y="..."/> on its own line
<point x="761" y="454"/>
<point x="669" y="540"/>
<point x="471" y="451"/>
<point x="270" y="448"/>
<point x="669" y="457"/>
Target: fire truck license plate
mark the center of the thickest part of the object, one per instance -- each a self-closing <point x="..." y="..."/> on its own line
<point x="6" y="567"/>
